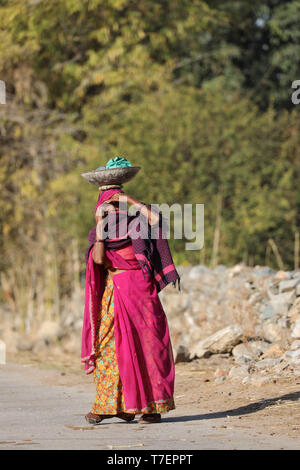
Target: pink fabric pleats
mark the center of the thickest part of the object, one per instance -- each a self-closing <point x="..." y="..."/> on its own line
<point x="94" y="287"/>
<point x="143" y="345"/>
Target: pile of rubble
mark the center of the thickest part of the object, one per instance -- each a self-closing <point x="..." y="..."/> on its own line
<point x="252" y="314"/>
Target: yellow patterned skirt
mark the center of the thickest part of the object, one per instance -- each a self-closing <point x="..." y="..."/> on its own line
<point x="109" y="393"/>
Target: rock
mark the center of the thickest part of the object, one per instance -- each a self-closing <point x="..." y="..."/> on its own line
<point x="289" y="285"/>
<point x="40" y="346"/>
<point x="50" y="331"/>
<point x="268" y="312"/>
<point x="220" y="342"/>
<point x="198" y="309"/>
<point x="259" y="347"/>
<point x="267" y="363"/>
<point x="273" y="351"/>
<point x="296" y="330"/>
<point x="280" y="303"/>
<point x="239" y="372"/>
<point x="282" y="366"/>
<point x="256" y="381"/>
<point x="183" y="269"/>
<point x="182" y="354"/>
<point x="77" y="326"/>
<point x="220" y="268"/>
<point x="237" y="269"/>
<point x="243" y="350"/>
<point x="24" y="345"/>
<point x="263" y="271"/>
<point x="73" y="345"/>
<point x="2" y="352"/>
<point x="292" y="355"/>
<point x="176" y="303"/>
<point x="284" y="322"/>
<point x="272" y="290"/>
<point x="255" y="298"/>
<point x="294" y="311"/>
<point x="298" y="290"/>
<point x="197" y="272"/>
<point x="272" y="332"/>
<point x="293" y="360"/>
<point x="220" y="380"/>
<point x="244" y="360"/>
<point x="220" y="373"/>
<point x="295" y="345"/>
<point x="282" y="275"/>
<point x="190" y="322"/>
<point x="69" y="321"/>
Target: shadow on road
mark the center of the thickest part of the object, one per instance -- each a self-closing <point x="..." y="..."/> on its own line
<point x="242" y="410"/>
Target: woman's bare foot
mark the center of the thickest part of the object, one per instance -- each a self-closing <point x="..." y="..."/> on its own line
<point x="150" y="418"/>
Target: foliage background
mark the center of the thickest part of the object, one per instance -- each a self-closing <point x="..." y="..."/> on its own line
<point x="196" y="92"/>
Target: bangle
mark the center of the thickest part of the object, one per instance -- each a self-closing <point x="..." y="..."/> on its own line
<point x="98" y="241"/>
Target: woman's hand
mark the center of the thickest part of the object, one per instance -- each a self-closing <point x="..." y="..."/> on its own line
<point x="124" y="198"/>
<point x="120" y="197"/>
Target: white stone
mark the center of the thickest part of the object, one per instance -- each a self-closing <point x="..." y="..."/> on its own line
<point x="50" y="331"/>
<point x="259" y="347"/>
<point x="289" y="285"/>
<point x="247" y="352"/>
<point x="24" y="344"/>
<point x="197" y="272"/>
<point x="243" y="350"/>
<point x="281" y="302"/>
<point x="282" y="275"/>
<point x="267" y="363"/>
<point x="2" y="352"/>
<point x="295" y="345"/>
<point x="296" y="330"/>
<point x="292" y="354"/>
<point x="272" y="332"/>
<point x="220" y="342"/>
<point x="238" y="372"/>
<point x="257" y="381"/>
<point x="294" y="311"/>
<point x="73" y="345"/>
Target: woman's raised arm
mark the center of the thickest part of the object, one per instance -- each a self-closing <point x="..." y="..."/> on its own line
<point x="144" y="209"/>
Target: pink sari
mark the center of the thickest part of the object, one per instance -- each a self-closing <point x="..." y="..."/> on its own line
<point x="143" y="345"/>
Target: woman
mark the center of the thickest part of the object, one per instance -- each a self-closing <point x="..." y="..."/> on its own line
<point x="125" y="341"/>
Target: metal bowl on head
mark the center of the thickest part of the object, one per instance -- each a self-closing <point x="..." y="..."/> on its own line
<point x="111" y="176"/>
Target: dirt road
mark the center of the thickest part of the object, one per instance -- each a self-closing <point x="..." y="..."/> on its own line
<point x="43" y="408"/>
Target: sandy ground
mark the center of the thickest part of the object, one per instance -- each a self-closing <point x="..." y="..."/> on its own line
<point x="43" y="402"/>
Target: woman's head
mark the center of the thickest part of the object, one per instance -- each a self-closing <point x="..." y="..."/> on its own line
<point x="103" y="206"/>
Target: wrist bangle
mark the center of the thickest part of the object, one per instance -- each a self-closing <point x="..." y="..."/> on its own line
<point x="97" y="241"/>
